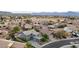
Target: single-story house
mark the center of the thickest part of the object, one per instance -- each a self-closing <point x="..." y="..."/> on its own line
<point x="37" y="26"/>
<point x="69" y="29"/>
<point x="27" y="26"/>
<point x="51" y="26"/>
<point x="29" y="35"/>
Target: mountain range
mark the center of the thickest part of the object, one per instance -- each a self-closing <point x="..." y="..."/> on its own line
<point x="69" y="13"/>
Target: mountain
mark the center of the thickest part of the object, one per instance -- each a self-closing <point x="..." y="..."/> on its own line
<point x="4" y="13"/>
<point x="69" y="13"/>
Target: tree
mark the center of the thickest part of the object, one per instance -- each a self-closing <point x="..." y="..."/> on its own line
<point x="72" y="18"/>
<point x="1" y="19"/>
<point x="16" y="29"/>
<point x="44" y="38"/>
<point x="11" y="34"/>
<point x="29" y="21"/>
<point x="58" y="20"/>
<point x="50" y="22"/>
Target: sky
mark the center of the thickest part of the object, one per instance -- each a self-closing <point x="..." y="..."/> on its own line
<point x="39" y="5"/>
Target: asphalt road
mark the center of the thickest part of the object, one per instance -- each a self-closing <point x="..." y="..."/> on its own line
<point x="59" y="43"/>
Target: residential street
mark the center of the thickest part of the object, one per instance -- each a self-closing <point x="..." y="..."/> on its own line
<point x="58" y="44"/>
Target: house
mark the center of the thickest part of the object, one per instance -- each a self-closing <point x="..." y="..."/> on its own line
<point x="69" y="29"/>
<point x="4" y="25"/>
<point x="37" y="26"/>
<point x="57" y="25"/>
<point x="51" y="26"/>
<point x="29" y="35"/>
<point x="27" y="26"/>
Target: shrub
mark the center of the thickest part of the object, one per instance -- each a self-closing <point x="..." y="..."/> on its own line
<point x="60" y="34"/>
<point x="62" y="26"/>
<point x="73" y="46"/>
<point x="44" y="38"/>
<point x="28" y="45"/>
<point x="28" y="21"/>
<point x="37" y="30"/>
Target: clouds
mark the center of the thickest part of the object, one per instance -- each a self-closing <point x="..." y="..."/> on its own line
<point x="39" y="5"/>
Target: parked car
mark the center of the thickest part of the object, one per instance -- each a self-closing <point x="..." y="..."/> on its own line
<point x="75" y="34"/>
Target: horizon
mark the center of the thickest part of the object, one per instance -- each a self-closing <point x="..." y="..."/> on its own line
<point x="39" y="12"/>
